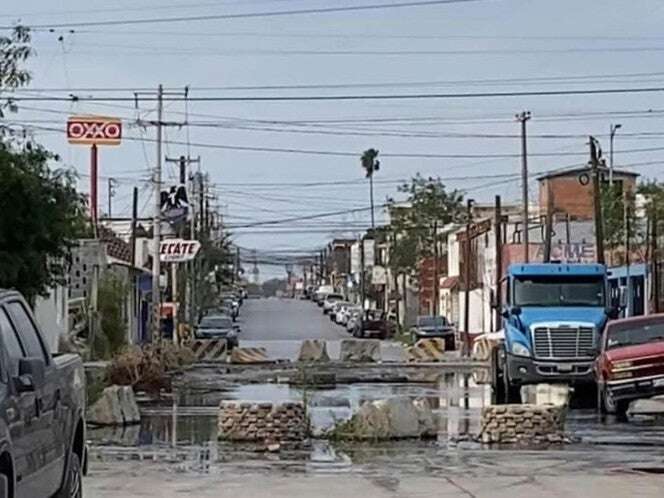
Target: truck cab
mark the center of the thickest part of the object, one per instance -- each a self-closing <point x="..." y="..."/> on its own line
<point x="553" y="315"/>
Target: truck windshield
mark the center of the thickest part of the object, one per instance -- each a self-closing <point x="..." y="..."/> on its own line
<point x="559" y="291"/>
<point x="632" y="334"/>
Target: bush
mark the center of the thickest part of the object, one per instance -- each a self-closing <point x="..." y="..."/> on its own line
<point x="146" y="368"/>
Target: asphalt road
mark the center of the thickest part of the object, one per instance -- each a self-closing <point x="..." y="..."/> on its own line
<point x="276" y="319"/>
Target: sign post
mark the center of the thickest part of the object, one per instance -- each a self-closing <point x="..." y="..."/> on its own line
<point x="94" y="131"/>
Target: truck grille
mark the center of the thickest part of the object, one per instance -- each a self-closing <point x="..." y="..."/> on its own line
<point x="563" y="342"/>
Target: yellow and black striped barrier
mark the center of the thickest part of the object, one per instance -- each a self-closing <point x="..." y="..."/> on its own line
<point x="427" y="350"/>
<point x="249" y="355"/>
<point x="209" y="349"/>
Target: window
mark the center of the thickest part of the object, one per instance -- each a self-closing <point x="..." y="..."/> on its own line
<point x="27" y="331"/>
<point x="10" y="342"/>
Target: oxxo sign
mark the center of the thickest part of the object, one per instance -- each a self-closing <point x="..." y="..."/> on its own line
<point x="94" y="130"/>
<point x="178" y="250"/>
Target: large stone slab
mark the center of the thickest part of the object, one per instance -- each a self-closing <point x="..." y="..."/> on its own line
<point x="392" y="418"/>
<point x="360" y="350"/>
<point x="313" y="350"/>
<point x="652" y="406"/>
<point x="116" y="406"/>
<point x="546" y="394"/>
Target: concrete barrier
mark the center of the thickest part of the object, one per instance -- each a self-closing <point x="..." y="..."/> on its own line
<point x="360" y="350"/>
<point x="313" y="350"/>
<point x="262" y="422"/>
<point x="484" y="344"/>
<point x="427" y="350"/>
<point x="546" y="394"/>
<point x="116" y="406"/>
<point x="209" y="349"/>
<point x="249" y="355"/>
<point x="523" y="424"/>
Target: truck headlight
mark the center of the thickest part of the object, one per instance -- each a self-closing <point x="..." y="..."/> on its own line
<point x="620" y="365"/>
<point x="519" y="349"/>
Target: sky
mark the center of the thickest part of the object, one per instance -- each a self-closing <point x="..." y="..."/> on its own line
<point x="455" y="48"/>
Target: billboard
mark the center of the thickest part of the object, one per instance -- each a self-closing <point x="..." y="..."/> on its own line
<point x="178" y="250"/>
<point x="94" y="130"/>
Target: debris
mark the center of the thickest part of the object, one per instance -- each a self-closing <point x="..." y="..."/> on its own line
<point x="392" y="418"/>
<point x="116" y="406"/>
<point x="313" y="350"/>
<point x="360" y="350"/>
<point x="546" y="394"/>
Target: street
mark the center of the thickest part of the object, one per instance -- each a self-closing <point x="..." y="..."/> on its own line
<point x="178" y="450"/>
<point x="277" y="319"/>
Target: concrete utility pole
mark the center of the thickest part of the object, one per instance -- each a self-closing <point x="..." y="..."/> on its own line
<point x="523" y="118"/>
<point x="132" y="258"/>
<point x="111" y="193"/>
<point x="548" y="225"/>
<point x="613" y="129"/>
<point x="363" y="290"/>
<point x="654" y="258"/>
<point x="628" y="279"/>
<point x="597" y="206"/>
<point x="156" y="226"/>
<point x="466" y="279"/>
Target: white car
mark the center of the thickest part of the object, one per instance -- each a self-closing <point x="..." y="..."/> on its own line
<point x="330" y="301"/>
<point x="346" y="313"/>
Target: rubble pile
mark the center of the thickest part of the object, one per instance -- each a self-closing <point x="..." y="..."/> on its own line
<point x="523" y="424"/>
<point x="262" y="422"/>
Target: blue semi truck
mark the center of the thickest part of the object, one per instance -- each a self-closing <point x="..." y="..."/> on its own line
<point x="553" y="315"/>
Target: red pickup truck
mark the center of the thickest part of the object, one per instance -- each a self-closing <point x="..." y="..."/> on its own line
<point x="630" y="364"/>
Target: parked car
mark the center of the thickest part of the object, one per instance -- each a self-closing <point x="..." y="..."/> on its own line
<point x="218" y="327"/>
<point x="344" y="313"/>
<point x="321" y="293"/>
<point x="42" y="424"/>
<point x="630" y="364"/>
<point x="233" y="305"/>
<point x="330" y="300"/>
<point x="428" y="327"/>
<point x="373" y="323"/>
<point x="353" y="318"/>
<point x="337" y="309"/>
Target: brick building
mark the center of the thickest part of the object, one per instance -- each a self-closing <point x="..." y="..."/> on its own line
<point x="571" y="190"/>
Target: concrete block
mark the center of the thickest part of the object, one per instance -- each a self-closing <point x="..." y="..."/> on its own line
<point x="546" y="394"/>
<point x="313" y="350"/>
<point x="360" y="350"/>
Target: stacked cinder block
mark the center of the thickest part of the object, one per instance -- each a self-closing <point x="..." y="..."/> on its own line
<point x="262" y="422"/>
<point x="523" y="424"/>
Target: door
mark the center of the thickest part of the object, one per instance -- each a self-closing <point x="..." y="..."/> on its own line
<point x="50" y="424"/>
<point x="19" y="409"/>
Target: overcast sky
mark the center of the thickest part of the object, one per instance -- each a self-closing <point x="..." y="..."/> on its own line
<point x="479" y="46"/>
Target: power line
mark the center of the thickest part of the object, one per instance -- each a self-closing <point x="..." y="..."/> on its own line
<point x="246" y="15"/>
<point x="348" y="97"/>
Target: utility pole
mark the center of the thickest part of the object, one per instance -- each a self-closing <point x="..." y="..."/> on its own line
<point x="132" y="259"/>
<point x="371" y="165"/>
<point x="94" y="183"/>
<point x="362" y="286"/>
<point x="597" y="206"/>
<point x="523" y="118"/>
<point x="654" y="258"/>
<point x="548" y="226"/>
<point x="434" y="288"/>
<point x="466" y="279"/>
<point x="613" y="129"/>
<point x="156" y="226"/>
<point x="111" y="194"/>
<point x="498" y="232"/>
<point x="628" y="279"/>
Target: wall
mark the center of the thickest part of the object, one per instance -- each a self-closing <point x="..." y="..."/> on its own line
<point x="52" y="316"/>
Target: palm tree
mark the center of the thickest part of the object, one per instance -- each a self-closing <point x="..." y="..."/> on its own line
<point x="370" y="165"/>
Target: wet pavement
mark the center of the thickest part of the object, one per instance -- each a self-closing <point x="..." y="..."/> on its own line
<point x="174" y="450"/>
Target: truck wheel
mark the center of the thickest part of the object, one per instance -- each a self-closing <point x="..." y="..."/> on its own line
<point x="73" y="487"/>
<point x="497" y="384"/>
<point x="612" y="407"/>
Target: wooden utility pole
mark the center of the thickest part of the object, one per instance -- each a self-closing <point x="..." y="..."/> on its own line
<point x="523" y="118"/>
<point x="654" y="258"/>
<point x="434" y="284"/>
<point x="548" y="226"/>
<point x="597" y="205"/>
<point x="466" y="280"/>
<point x="498" y="232"/>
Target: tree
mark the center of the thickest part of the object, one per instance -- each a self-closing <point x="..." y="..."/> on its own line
<point x="42" y="215"/>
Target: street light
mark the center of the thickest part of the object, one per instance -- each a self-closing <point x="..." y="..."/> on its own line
<point x="614" y="128"/>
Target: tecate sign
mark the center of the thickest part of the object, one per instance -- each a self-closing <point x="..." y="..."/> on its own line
<point x="178" y="250"/>
<point x="94" y="130"/>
